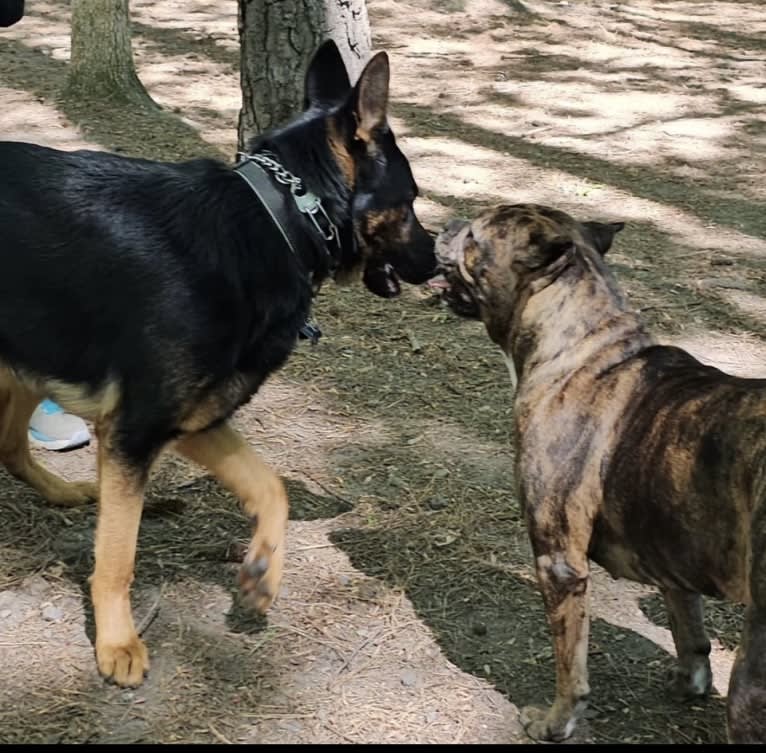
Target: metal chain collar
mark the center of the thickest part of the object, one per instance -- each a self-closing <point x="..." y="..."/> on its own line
<point x="281" y="174"/>
<point x="308" y="203"/>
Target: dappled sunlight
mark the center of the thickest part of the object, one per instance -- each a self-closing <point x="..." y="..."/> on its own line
<point x="617" y="602"/>
<point x="24" y="118"/>
<point x="739" y="354"/>
<point x="210" y="106"/>
<point x="197" y="18"/>
<point x="483" y="175"/>
<point x="750" y="303"/>
<point x="652" y="114"/>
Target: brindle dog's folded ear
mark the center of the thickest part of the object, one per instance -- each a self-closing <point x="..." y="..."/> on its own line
<point x="371" y="97"/>
<point x="327" y="83"/>
<point x="601" y="234"/>
<point x="547" y="251"/>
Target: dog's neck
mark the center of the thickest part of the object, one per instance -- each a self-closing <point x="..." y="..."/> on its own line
<point x="579" y="317"/>
<point x="303" y="148"/>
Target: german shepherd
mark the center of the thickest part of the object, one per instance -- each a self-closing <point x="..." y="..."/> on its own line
<point x="155" y="298"/>
<point x="629" y="453"/>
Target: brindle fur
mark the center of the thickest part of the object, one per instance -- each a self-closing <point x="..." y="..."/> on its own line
<point x="631" y="454"/>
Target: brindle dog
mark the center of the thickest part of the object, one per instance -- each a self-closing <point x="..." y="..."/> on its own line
<point x="628" y="453"/>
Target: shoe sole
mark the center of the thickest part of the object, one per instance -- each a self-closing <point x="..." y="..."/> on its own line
<point x="80" y="439"/>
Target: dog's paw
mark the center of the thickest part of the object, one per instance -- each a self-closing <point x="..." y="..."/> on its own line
<point x="261" y="573"/>
<point x="689" y="683"/>
<point x="125" y="665"/>
<point x="73" y="493"/>
<point x="540" y="724"/>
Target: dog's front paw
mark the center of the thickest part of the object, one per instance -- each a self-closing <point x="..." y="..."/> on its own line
<point x="685" y="683"/>
<point x="545" y="725"/>
<point x="124" y="664"/>
<point x="261" y="573"/>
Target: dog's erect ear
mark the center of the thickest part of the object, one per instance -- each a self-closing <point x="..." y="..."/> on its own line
<point x="327" y="83"/>
<point x="601" y="234"/>
<point x="371" y="97"/>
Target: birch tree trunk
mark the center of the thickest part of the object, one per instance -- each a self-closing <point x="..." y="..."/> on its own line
<point x="277" y="39"/>
<point x="101" y="64"/>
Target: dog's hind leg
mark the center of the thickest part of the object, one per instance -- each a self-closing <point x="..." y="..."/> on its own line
<point x="234" y="463"/>
<point x="564" y="579"/>
<point x="17" y="403"/>
<point x="692" y="677"/>
<point x="746" y="702"/>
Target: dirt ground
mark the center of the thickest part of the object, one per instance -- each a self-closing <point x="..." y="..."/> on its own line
<point x="409" y="611"/>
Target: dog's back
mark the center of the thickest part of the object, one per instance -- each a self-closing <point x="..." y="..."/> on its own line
<point x="684" y="476"/>
<point x="108" y="249"/>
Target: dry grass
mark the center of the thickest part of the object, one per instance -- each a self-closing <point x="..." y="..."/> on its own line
<point x="399" y="455"/>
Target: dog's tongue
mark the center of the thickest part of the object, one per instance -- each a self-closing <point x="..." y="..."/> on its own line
<point x="382" y="281"/>
<point x="438" y="283"/>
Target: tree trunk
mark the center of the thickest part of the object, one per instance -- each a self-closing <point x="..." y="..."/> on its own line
<point x="101" y="64"/>
<point x="277" y="39"/>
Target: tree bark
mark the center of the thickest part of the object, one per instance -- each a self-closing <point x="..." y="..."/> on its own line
<point x="277" y="40"/>
<point x="101" y="64"/>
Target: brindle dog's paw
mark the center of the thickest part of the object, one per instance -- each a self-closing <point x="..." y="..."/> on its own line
<point x="686" y="684"/>
<point x="261" y="574"/>
<point x="539" y="725"/>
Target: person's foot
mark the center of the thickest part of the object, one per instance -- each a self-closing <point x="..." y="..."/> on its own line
<point x="52" y="428"/>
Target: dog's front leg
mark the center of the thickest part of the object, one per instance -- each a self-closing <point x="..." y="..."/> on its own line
<point x="234" y="463"/>
<point x="122" y="656"/>
<point x="564" y="579"/>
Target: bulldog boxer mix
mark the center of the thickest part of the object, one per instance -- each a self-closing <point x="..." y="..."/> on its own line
<point x="628" y="453"/>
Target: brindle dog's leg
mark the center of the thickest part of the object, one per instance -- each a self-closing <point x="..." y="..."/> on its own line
<point x="121" y="655"/>
<point x="564" y="578"/>
<point x="746" y="705"/>
<point x="264" y="500"/>
<point x="692" y="677"/>
<point x="17" y="404"/>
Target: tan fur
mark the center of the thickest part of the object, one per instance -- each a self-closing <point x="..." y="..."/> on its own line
<point x="340" y="151"/>
<point x="264" y="500"/>
<point x="17" y="403"/>
<point x="120" y="653"/>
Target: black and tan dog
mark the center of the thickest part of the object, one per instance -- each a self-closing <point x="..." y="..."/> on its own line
<point x="155" y="299"/>
<point x="628" y="453"/>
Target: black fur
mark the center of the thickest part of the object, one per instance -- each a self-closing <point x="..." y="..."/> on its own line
<point x="11" y="11"/>
<point x="171" y="280"/>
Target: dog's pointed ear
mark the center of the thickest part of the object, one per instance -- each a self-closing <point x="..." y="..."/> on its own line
<point x="371" y="97"/>
<point x="601" y="234"/>
<point x="327" y="83"/>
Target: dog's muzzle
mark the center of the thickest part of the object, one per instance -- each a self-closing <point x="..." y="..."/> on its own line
<point x="449" y="253"/>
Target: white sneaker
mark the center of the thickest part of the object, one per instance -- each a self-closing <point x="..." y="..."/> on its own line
<point x="52" y="428"/>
